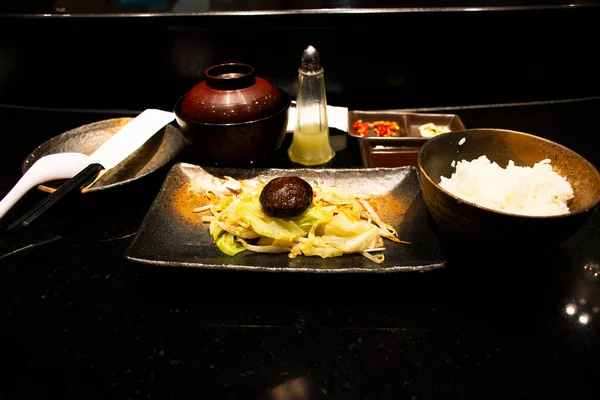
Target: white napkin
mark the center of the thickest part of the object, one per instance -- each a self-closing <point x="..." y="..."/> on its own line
<point x="336" y="116"/>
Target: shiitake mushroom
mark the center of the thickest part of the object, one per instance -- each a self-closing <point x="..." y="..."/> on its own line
<point x="286" y="197"/>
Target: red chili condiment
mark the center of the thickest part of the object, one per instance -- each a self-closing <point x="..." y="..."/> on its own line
<point x="381" y="128"/>
<point x="386" y="128"/>
<point x="362" y="128"/>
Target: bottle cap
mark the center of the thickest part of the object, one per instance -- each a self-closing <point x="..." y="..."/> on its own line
<point x="311" y="61"/>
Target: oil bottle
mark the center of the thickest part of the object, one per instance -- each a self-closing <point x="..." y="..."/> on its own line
<point x="310" y="144"/>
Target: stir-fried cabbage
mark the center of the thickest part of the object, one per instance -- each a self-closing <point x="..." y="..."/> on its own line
<point x="336" y="223"/>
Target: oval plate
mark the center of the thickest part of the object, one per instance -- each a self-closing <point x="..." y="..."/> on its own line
<point x="161" y="148"/>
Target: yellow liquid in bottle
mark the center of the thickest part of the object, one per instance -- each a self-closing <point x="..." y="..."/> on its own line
<point x="310" y="146"/>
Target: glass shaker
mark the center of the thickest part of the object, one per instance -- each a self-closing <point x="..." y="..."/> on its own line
<point x="310" y="144"/>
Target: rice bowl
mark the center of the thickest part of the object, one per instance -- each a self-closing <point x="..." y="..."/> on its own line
<point x="464" y="220"/>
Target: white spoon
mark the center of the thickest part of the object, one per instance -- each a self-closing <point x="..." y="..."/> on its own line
<point x="48" y="168"/>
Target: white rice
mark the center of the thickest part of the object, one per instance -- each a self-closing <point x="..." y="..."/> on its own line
<point x="536" y="190"/>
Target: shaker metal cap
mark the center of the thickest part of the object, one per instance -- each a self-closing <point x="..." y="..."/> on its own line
<point x="311" y="61"/>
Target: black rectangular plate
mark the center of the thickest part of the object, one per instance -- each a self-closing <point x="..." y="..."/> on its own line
<point x="171" y="235"/>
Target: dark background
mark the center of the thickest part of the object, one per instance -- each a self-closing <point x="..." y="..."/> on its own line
<point x="373" y="59"/>
<point x="199" y="6"/>
<point x="79" y="321"/>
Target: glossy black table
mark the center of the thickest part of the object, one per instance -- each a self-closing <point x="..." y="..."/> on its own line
<point x="78" y="321"/>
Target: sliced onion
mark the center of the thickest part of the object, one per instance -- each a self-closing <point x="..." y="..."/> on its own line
<point x="375" y="249"/>
<point x="377" y="258"/>
<point x="203" y="208"/>
<point x="236" y="232"/>
<point x="387" y="230"/>
<point x="263" y="249"/>
<point x="373" y="214"/>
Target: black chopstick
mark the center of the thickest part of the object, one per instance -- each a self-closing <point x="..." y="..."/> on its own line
<point x="75" y="183"/>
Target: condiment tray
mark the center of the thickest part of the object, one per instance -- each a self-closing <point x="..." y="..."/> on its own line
<point x="402" y="149"/>
<point x="408" y="123"/>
